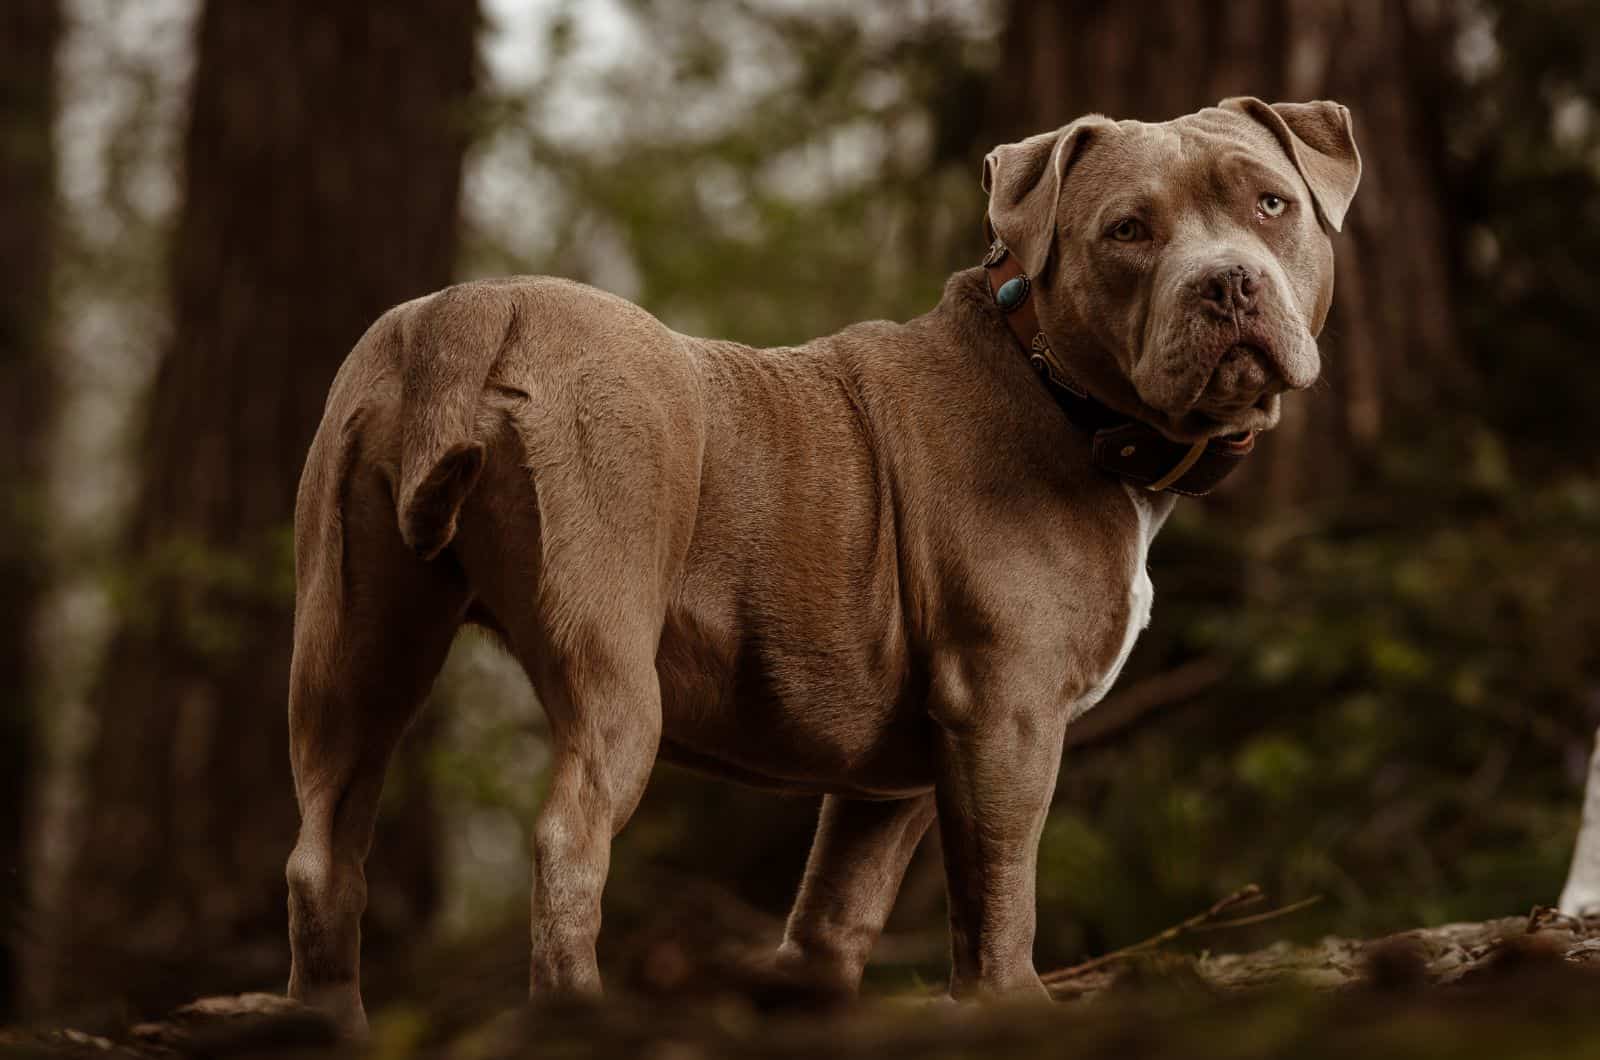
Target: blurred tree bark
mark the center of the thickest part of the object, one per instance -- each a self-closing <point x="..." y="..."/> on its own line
<point x="1390" y="346"/>
<point x="29" y="30"/>
<point x="321" y="167"/>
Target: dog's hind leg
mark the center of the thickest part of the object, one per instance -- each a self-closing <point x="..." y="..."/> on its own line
<point x="573" y="536"/>
<point x="372" y="626"/>
<point x="605" y="715"/>
<point x="857" y="861"/>
<point x="580" y="595"/>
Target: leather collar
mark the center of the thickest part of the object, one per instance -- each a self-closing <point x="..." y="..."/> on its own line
<point x="1122" y="445"/>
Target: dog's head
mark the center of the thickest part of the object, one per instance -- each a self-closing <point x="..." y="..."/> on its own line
<point x="1184" y="270"/>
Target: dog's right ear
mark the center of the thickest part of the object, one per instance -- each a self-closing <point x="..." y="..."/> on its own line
<point x="1024" y="181"/>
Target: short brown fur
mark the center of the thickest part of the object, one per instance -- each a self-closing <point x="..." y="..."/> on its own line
<point x="878" y="566"/>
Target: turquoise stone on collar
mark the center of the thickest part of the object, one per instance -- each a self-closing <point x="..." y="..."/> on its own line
<point x="1012" y="293"/>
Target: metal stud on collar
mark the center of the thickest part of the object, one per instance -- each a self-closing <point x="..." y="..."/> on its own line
<point x="1012" y="293"/>
<point x="995" y="255"/>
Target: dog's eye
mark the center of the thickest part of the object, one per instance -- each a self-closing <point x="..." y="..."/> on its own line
<point x="1127" y="230"/>
<point x="1272" y="205"/>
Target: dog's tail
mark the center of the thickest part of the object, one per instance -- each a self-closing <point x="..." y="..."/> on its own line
<point x="451" y="346"/>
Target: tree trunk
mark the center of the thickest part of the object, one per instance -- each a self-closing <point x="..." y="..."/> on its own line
<point x="322" y="168"/>
<point x="1390" y="337"/>
<point x="1581" y="895"/>
<point x="29" y="30"/>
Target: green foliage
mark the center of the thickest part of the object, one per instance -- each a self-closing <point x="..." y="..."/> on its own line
<point x="209" y="597"/>
<point x="761" y="174"/>
<point x="1408" y="691"/>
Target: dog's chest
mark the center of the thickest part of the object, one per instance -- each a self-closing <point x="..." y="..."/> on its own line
<point x="1150" y="513"/>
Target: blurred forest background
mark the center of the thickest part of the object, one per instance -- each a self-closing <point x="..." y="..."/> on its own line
<point x="1374" y="669"/>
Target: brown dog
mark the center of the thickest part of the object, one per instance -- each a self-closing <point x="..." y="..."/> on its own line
<point x="889" y="566"/>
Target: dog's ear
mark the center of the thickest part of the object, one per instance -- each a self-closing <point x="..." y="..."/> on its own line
<point x="1320" y="141"/>
<point x="1024" y="182"/>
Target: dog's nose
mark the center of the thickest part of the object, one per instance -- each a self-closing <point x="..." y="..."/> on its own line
<point x="1231" y="290"/>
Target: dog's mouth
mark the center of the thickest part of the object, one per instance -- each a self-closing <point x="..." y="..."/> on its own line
<point x="1230" y="389"/>
<point x="1240" y="443"/>
<point x="1242" y="394"/>
<point x="1245" y="375"/>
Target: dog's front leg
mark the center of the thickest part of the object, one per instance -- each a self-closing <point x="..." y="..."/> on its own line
<point x="996" y="772"/>
<point x="852" y="877"/>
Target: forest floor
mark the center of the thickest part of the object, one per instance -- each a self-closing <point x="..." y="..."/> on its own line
<point x="1513" y="987"/>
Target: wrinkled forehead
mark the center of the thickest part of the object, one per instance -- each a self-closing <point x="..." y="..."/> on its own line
<point x="1190" y="161"/>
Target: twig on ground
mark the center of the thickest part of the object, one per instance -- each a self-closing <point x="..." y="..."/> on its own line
<point x="1209" y="920"/>
<point x="1544" y="916"/>
<point x="1261" y="918"/>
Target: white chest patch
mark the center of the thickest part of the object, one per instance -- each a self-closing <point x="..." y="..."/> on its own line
<point x="1141" y="593"/>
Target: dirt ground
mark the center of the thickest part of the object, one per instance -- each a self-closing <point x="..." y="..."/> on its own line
<point x="1512" y="987"/>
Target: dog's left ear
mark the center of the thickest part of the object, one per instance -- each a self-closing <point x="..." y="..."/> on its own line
<point x="1024" y="181"/>
<point x="1321" y="143"/>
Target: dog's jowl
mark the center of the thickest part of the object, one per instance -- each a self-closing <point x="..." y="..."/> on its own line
<point x="889" y="566"/>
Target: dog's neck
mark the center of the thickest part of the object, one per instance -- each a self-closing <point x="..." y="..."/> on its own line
<point x="1122" y="445"/>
